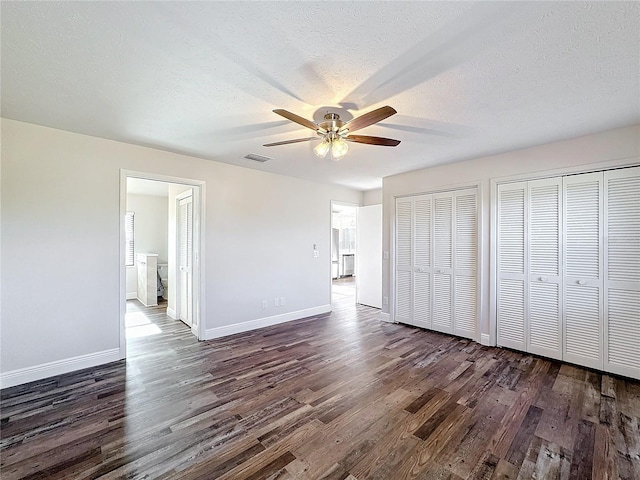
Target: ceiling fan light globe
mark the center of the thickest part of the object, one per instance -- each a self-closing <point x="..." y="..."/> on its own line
<point x="339" y="148"/>
<point x="322" y="148"/>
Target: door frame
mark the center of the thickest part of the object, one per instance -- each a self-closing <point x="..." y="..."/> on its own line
<point x="199" y="202"/>
<point x="345" y="204"/>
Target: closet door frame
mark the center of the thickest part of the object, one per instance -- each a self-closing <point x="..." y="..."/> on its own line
<point x="481" y="261"/>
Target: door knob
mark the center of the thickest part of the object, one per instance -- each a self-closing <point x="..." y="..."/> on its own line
<point x="543" y="279"/>
<point x="581" y="282"/>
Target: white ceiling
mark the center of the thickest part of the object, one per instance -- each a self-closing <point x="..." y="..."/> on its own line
<point x="202" y="78"/>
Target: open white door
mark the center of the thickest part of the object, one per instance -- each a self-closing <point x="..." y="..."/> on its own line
<point x="369" y="253"/>
<point x="185" y="257"/>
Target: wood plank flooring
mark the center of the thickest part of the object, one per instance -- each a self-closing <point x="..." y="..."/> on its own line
<point x="337" y="396"/>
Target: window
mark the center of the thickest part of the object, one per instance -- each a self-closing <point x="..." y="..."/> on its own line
<point x="128" y="236"/>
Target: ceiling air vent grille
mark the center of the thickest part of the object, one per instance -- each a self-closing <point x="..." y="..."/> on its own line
<point x="257" y="158"/>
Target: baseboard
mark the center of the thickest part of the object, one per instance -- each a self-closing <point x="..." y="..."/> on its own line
<point x="485" y="339"/>
<point x="171" y="313"/>
<point x="218" y="332"/>
<point x="46" y="370"/>
<point x="385" y="317"/>
<point x="132" y="295"/>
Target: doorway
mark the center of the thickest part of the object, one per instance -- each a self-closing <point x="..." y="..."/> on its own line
<point x="160" y="262"/>
<point x="344" y="218"/>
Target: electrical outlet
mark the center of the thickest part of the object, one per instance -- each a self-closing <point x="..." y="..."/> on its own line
<point x="316" y="254"/>
<point x="281" y="301"/>
<point x="264" y="304"/>
<point x="385" y="300"/>
<point x="276" y="302"/>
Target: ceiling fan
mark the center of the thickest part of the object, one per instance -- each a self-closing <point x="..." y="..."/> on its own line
<point x="333" y="132"/>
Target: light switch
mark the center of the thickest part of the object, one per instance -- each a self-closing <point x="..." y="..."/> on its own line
<point x="386" y="254"/>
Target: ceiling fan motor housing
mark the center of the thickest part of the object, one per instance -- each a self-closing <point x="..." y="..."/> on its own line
<point x="332" y="126"/>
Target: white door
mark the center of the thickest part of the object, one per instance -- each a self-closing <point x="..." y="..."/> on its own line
<point x="465" y="264"/>
<point x="185" y="259"/>
<point x="583" y="268"/>
<point x="622" y="271"/>
<point x="544" y="255"/>
<point x="422" y="261"/>
<point x="512" y="282"/>
<point x="369" y="253"/>
<point x="404" y="261"/>
<point x="442" y="320"/>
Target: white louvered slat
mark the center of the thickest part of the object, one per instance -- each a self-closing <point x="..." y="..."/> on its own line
<point x="583" y="339"/>
<point x="466" y="241"/>
<point x="623" y="225"/>
<point x="422" y="300"/>
<point x="442" y="306"/>
<point x="403" y="296"/>
<point x="465" y="306"/>
<point x="422" y="242"/>
<point x="511" y="313"/>
<point x="403" y="232"/>
<point x="442" y="231"/>
<point x="544" y="319"/>
<point x="511" y="229"/>
<point x="582" y="226"/>
<point x="544" y="237"/>
<point x="623" y="343"/>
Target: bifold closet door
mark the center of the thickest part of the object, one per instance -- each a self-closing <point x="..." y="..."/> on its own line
<point x="436" y="261"/>
<point x="583" y="267"/>
<point x="622" y="271"/>
<point x="512" y="279"/>
<point x="404" y="261"/>
<point x="543" y="262"/>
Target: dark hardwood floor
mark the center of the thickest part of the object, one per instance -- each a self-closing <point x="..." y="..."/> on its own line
<point x="339" y="396"/>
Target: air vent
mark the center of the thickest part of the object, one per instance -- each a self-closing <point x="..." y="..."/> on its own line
<point x="257" y="158"/>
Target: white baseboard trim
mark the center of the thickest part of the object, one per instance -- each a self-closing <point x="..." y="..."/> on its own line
<point x="485" y="339"/>
<point x="218" y="332"/>
<point x="171" y="313"/>
<point x="385" y="317"/>
<point x="58" y="367"/>
<point x="132" y="295"/>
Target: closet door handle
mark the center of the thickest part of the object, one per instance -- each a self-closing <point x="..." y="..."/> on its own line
<point x="581" y="282"/>
<point x="543" y="279"/>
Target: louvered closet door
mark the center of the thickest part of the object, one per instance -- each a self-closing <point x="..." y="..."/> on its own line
<point x="404" y="261"/>
<point x="465" y="262"/>
<point x="511" y="281"/>
<point x="583" y="272"/>
<point x="422" y="269"/>
<point x="442" y="320"/>
<point x="544" y="266"/>
<point x="622" y="272"/>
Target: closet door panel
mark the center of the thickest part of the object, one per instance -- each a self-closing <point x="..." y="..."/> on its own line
<point x="583" y="282"/>
<point x="511" y="282"/>
<point x="545" y="293"/>
<point x="443" y="262"/>
<point x="422" y="271"/>
<point x="404" y="260"/>
<point x="622" y="271"/>
<point x="465" y="261"/>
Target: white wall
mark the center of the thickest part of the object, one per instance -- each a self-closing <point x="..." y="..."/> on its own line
<point x="614" y="147"/>
<point x="150" y="231"/>
<point x="372" y="197"/>
<point x="61" y="245"/>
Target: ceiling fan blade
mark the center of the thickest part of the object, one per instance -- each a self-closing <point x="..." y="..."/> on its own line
<point x="386" y="142"/>
<point x="297" y="140"/>
<point x="296" y="118"/>
<point x="369" y="118"/>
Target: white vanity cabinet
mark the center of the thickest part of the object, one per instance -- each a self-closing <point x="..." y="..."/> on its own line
<point x="147" y="265"/>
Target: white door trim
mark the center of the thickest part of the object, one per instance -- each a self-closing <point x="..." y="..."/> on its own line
<point x="199" y="203"/>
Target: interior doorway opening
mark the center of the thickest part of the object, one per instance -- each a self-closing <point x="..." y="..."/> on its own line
<point x="160" y="273"/>
<point x="344" y="221"/>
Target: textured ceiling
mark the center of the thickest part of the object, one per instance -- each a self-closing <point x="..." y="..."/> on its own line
<point x="202" y="78"/>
